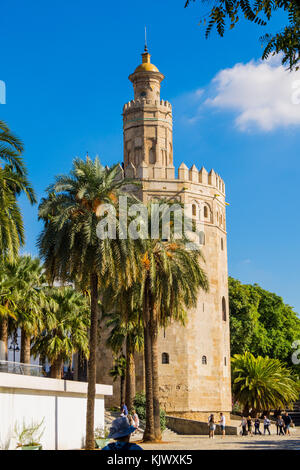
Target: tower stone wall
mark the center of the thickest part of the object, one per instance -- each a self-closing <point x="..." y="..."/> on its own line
<point x="194" y="369"/>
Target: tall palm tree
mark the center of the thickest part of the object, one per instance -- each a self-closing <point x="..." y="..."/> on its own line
<point x="261" y="384"/>
<point x="118" y="371"/>
<point x="26" y="277"/>
<point x="7" y="307"/>
<point x="126" y="330"/>
<point x="72" y="250"/>
<point x="170" y="281"/>
<point x="66" y="322"/>
<point x="13" y="182"/>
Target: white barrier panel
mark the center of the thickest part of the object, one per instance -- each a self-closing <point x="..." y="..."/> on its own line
<point x="61" y="403"/>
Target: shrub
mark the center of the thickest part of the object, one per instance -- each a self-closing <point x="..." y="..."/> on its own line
<point x="140" y="407"/>
<point x="29" y="435"/>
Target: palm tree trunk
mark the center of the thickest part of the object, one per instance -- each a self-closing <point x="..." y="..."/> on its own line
<point x="122" y="380"/>
<point x="149" y="428"/>
<point x="154" y="354"/>
<point x="246" y="410"/>
<point x="4" y="337"/>
<point x="90" y="411"/>
<point x="130" y="377"/>
<point x="55" y="369"/>
<point x="25" y="348"/>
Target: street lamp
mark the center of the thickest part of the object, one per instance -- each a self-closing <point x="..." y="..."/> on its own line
<point x="14" y="346"/>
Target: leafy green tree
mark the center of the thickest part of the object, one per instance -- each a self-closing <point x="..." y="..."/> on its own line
<point x="71" y="249"/>
<point x="66" y="322"/>
<point x="224" y="13"/>
<point x="261" y="323"/>
<point x="244" y="316"/>
<point x="262" y="384"/>
<point x="280" y="325"/>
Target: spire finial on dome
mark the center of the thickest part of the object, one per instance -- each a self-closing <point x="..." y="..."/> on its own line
<point x="146" y="48"/>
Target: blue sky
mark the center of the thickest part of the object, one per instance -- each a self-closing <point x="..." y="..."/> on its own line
<point x="65" y="65"/>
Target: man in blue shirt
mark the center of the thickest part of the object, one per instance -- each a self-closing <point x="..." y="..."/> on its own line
<point x="120" y="431"/>
<point x="124" y="409"/>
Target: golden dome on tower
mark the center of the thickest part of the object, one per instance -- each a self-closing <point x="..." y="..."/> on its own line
<point x="146" y="65"/>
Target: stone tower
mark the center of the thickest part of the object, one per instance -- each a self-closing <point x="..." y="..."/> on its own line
<point x="194" y="370"/>
<point x="148" y="139"/>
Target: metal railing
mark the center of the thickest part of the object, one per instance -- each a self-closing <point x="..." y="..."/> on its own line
<point x="21" y="369"/>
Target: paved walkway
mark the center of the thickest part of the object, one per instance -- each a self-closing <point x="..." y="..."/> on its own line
<point x="180" y="442"/>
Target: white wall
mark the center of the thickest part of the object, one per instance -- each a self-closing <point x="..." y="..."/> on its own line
<point x="61" y="403"/>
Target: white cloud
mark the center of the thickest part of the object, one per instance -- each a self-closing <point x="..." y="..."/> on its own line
<point x="263" y="94"/>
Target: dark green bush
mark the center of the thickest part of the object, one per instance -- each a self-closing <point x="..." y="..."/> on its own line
<point x="140" y="407"/>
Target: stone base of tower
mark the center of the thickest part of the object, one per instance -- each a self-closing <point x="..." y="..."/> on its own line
<point x="200" y="415"/>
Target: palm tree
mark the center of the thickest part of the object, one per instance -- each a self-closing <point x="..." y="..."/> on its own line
<point x="26" y="278"/>
<point x="72" y="250"/>
<point x="66" y="322"/>
<point x="171" y="278"/>
<point x="7" y="307"/>
<point x="134" y="343"/>
<point x="118" y="371"/>
<point x="13" y="182"/>
<point x="126" y="329"/>
<point x="261" y="384"/>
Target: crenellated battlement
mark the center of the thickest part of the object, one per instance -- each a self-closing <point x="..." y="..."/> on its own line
<point x="142" y="103"/>
<point x="201" y="176"/>
<point x="192" y="175"/>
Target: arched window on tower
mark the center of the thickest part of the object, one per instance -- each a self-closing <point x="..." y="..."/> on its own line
<point x="165" y="358"/>
<point x="204" y="360"/>
<point x="224" y="316"/>
<point x="222" y="244"/>
<point x="205" y="212"/>
<point x="194" y="210"/>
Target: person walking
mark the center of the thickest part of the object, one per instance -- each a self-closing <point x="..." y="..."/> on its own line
<point x="257" y="425"/>
<point x="211" y="426"/>
<point x="277" y="424"/>
<point x="222" y="423"/>
<point x="120" y="431"/>
<point x="244" y="426"/>
<point x="266" y="425"/>
<point x="287" y="423"/>
<point x="280" y="426"/>
<point x="124" y="410"/>
<point x="249" y="425"/>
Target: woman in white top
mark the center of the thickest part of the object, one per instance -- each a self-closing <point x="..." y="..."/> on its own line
<point x="211" y="426"/>
<point x="136" y="421"/>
